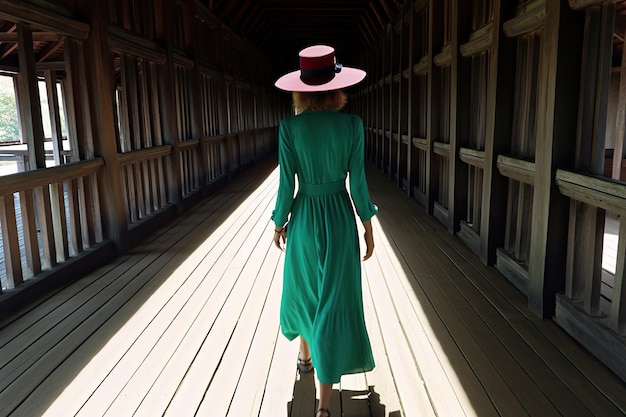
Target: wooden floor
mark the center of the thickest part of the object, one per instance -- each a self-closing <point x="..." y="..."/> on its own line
<point x="187" y="325"/>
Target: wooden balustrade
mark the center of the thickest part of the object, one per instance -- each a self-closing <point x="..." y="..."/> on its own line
<point x="202" y="162"/>
<point x="214" y="152"/>
<point x="608" y="195"/>
<point x="47" y="216"/>
<point x="575" y="308"/>
<point x="143" y="176"/>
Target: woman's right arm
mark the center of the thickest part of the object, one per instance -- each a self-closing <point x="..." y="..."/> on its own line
<point x="369" y="239"/>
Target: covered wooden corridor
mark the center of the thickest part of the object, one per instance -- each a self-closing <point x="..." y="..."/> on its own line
<point x="186" y="324"/>
<point x="137" y="159"/>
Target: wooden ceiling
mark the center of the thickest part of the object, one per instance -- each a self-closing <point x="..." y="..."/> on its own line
<point x="281" y="28"/>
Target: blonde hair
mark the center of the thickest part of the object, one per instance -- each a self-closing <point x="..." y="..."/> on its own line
<point x="319" y="101"/>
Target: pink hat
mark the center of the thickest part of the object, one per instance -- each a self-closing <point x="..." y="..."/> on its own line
<point x="319" y="71"/>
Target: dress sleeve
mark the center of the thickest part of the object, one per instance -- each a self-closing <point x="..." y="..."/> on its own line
<point x="287" y="164"/>
<point x="358" y="184"/>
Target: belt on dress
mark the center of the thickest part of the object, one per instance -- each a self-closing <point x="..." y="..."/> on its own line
<point x="322" y="189"/>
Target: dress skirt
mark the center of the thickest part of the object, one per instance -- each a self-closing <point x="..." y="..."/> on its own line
<point x="322" y="294"/>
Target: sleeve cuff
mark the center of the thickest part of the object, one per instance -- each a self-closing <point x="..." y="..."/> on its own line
<point x="371" y="212"/>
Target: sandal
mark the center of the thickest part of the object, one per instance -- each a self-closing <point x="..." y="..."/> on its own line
<point x="304" y="365"/>
<point x="322" y="410"/>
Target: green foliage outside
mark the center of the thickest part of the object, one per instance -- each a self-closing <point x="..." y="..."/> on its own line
<point x="9" y="128"/>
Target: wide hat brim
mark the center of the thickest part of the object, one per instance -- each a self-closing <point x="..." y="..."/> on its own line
<point x="345" y="78"/>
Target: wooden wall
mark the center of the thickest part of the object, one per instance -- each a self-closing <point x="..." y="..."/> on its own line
<point x="498" y="117"/>
<point x="163" y="104"/>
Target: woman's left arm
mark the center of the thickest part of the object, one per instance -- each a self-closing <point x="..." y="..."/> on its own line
<point x="358" y="183"/>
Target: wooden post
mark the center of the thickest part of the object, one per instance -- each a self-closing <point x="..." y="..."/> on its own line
<point x="30" y="102"/>
<point x="410" y="106"/>
<point x="619" y="153"/>
<point x="167" y="88"/>
<point x="500" y="97"/>
<point x="55" y="116"/>
<point x="459" y="121"/>
<point x="586" y="226"/>
<point x="109" y="183"/>
<point x="557" y="102"/>
<point x="618" y="303"/>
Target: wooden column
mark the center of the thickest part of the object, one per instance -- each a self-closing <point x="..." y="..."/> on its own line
<point x="55" y="116"/>
<point x="167" y="92"/>
<point x="99" y="62"/>
<point x="619" y="153"/>
<point x="433" y="99"/>
<point x="388" y="76"/>
<point x="32" y="131"/>
<point x="501" y="91"/>
<point x="557" y="101"/>
<point x="586" y="227"/>
<point x="460" y="23"/>
<point x="196" y="91"/>
<point x="400" y="85"/>
<point x="29" y="100"/>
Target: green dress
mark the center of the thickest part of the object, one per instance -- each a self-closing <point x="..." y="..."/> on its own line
<point x="322" y="299"/>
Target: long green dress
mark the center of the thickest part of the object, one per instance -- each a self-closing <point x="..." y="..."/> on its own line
<point x="322" y="299"/>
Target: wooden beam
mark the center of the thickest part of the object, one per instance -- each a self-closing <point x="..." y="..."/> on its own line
<point x="130" y="43"/>
<point x="37" y="37"/>
<point x="530" y="18"/>
<point x="48" y="51"/>
<point x="596" y="191"/>
<point x="43" y="17"/>
<point x="582" y="4"/>
<point x="619" y="151"/>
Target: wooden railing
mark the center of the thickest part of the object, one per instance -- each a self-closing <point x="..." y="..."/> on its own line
<point x="144" y="181"/>
<point x="581" y="309"/>
<point x="50" y="215"/>
<point x="47" y="216"/>
<point x="215" y="153"/>
<point x="202" y="162"/>
<point x="471" y="225"/>
<point x="513" y="257"/>
<point x="420" y="146"/>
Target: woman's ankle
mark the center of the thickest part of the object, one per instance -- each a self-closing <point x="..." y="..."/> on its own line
<point x="322" y="412"/>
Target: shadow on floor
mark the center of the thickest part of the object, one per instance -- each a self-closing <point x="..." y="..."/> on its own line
<point x="344" y="403"/>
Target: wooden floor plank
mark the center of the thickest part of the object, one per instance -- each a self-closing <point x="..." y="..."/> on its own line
<point x="251" y="389"/>
<point x="54" y="310"/>
<point x="186" y="324"/>
<point x="412" y="392"/>
<point x="41" y="313"/>
<point x="117" y="346"/>
<point x="354" y="396"/>
<point x="440" y="378"/>
<point x="428" y="273"/>
<point x="560" y="392"/>
<point x="199" y="376"/>
<point x="141" y="272"/>
<point x="384" y="398"/>
<point x="583" y="374"/>
<point x="219" y="396"/>
<point x="136" y="370"/>
<point x="282" y="374"/>
<point x="485" y="329"/>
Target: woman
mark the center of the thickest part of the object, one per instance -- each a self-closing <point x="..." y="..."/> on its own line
<point x="322" y="301"/>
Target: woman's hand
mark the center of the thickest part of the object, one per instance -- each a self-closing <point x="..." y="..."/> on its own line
<point x="369" y="240"/>
<point x="280" y="233"/>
